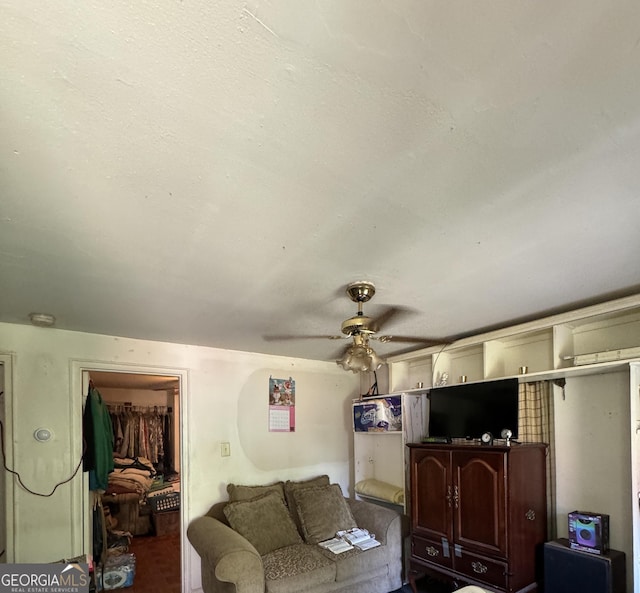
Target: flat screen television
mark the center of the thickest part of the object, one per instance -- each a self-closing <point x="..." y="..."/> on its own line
<point x="468" y="410"/>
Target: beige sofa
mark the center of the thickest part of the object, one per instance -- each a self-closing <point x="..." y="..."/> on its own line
<point x="265" y="539"/>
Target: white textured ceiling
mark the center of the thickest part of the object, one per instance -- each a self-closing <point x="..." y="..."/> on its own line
<point x="215" y="172"/>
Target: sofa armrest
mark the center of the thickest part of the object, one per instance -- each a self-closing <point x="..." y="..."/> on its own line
<point x="384" y="523"/>
<point x="226" y="556"/>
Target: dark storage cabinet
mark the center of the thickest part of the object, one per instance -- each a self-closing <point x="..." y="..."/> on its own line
<point x="570" y="571"/>
<point x="478" y="513"/>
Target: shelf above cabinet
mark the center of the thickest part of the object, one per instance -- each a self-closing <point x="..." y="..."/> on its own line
<point x="599" y="339"/>
<point x="606" y="356"/>
<point x="577" y="371"/>
<point x="533" y="350"/>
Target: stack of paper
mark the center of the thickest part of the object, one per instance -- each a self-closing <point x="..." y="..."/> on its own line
<point x="355" y="536"/>
<point x="367" y="543"/>
<point x="336" y="545"/>
<point x="347" y="540"/>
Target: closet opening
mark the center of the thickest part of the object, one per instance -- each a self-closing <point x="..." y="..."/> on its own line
<point x="3" y="497"/>
<point x="139" y="541"/>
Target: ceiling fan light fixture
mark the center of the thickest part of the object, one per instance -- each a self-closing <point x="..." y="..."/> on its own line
<point x="360" y="358"/>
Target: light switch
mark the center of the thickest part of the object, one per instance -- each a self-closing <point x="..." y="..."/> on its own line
<point x="225" y="449"/>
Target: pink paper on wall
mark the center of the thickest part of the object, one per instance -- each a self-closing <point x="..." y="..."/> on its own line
<point x="282" y="402"/>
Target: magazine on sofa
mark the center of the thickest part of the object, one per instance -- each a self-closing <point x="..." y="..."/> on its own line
<point x="336" y="545"/>
<point x="367" y="544"/>
<point x="347" y="540"/>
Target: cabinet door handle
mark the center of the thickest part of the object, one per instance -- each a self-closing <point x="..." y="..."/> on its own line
<point x="431" y="551"/>
<point x="479" y="567"/>
<point x="448" y="497"/>
<point x="530" y="515"/>
<point x="456" y="496"/>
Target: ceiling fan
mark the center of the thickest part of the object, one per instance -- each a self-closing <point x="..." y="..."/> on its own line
<point x="360" y="356"/>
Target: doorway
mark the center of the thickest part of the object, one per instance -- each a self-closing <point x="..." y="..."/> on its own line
<point x="7" y="533"/>
<point x="634" y="389"/>
<point x="144" y="395"/>
<point x="3" y="510"/>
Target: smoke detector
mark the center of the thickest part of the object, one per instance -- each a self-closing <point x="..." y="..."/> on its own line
<point x="42" y="319"/>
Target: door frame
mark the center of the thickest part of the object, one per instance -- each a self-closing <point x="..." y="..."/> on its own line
<point x="80" y="491"/>
<point x="6" y="506"/>
<point x="634" y="408"/>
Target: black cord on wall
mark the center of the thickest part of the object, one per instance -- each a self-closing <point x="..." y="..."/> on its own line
<point x="19" y="478"/>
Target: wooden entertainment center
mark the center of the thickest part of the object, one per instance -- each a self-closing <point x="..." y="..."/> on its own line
<point x="478" y="513"/>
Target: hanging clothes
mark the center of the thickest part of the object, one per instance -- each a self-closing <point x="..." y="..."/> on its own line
<point x="143" y="442"/>
<point x="126" y="448"/>
<point x="118" y="435"/>
<point x="98" y="436"/>
<point x="155" y="435"/>
<point x="99" y="532"/>
<point x="167" y="440"/>
<point x="141" y="432"/>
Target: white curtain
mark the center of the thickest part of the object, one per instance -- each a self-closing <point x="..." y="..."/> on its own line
<point x="536" y="425"/>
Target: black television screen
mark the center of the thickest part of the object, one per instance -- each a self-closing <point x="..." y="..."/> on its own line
<point x="469" y="409"/>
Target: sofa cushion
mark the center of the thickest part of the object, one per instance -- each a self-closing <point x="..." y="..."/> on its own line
<point x="264" y="521"/>
<point x="350" y="565"/>
<point x="323" y="511"/>
<point x="239" y="492"/>
<point x="297" y="568"/>
<point x="217" y="512"/>
<point x="290" y="487"/>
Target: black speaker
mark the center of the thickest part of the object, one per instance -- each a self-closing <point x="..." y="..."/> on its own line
<point x="571" y="571"/>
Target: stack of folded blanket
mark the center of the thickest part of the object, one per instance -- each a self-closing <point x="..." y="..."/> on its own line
<point x="380" y="490"/>
<point x="131" y="475"/>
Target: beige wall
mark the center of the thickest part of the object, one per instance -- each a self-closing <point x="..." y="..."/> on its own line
<point x="225" y="399"/>
<point x="593" y="454"/>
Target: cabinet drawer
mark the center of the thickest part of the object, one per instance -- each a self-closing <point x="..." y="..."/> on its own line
<point x="431" y="551"/>
<point x="482" y="569"/>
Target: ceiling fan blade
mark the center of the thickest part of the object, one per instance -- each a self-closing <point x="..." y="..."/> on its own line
<point x="412" y="339"/>
<point x="276" y="338"/>
<point x="338" y="354"/>
<point x="388" y="314"/>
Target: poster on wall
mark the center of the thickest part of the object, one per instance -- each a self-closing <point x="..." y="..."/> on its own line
<point x="282" y="405"/>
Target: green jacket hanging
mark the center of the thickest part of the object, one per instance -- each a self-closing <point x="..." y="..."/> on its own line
<point x="98" y="434"/>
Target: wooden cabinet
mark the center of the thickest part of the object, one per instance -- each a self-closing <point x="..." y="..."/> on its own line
<point x="478" y="513"/>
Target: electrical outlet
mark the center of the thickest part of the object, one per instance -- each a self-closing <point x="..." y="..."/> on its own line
<point x="225" y="449"/>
